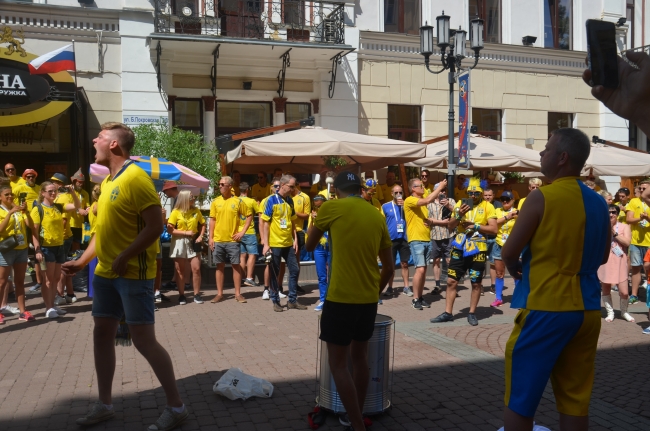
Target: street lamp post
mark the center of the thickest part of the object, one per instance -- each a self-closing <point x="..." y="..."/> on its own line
<point x="452" y="50"/>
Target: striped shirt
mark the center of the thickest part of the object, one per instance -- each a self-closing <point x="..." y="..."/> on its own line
<point x="436" y="212"/>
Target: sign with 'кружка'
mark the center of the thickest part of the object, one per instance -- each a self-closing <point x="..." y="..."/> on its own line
<point x="27" y="98"/>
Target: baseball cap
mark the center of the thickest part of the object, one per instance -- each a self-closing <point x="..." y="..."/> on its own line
<point x="507" y="194"/>
<point x="59" y="178"/>
<point x="346" y="179"/>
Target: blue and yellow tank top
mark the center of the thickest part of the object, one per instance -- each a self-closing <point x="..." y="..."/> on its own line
<point x="561" y="259"/>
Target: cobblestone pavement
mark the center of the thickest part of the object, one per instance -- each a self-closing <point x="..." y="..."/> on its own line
<point x="446" y="376"/>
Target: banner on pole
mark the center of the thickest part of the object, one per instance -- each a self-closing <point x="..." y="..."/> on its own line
<point x="463" y="123"/>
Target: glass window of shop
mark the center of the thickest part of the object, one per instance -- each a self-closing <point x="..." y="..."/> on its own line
<point x="188" y="114"/>
<point x="296" y="112"/>
<point x="488" y="122"/>
<point x="234" y="117"/>
<point x="402" y="16"/>
<point x="490" y="12"/>
<point x="558" y="120"/>
<point x="557" y="24"/>
<point x="404" y="122"/>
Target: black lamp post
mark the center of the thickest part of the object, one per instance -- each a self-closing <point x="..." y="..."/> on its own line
<point x="452" y="50"/>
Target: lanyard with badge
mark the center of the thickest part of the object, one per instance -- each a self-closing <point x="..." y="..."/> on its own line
<point x="644" y="209"/>
<point x="399" y="221"/>
<point x="507" y="226"/>
<point x="616" y="247"/>
<point x="18" y="233"/>
<point x="283" y="216"/>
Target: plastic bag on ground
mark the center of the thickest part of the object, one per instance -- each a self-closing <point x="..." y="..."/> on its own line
<point x="235" y="384"/>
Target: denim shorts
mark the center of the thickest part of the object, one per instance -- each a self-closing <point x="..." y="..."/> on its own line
<point x="117" y="297"/>
<point x="491" y="242"/>
<point x="54" y="254"/>
<point x="637" y="252"/>
<point x="12" y="257"/>
<point x="248" y="244"/>
<point x="496" y="253"/>
<point x="420" y="252"/>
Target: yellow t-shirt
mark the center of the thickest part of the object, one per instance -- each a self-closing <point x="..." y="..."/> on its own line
<point x="460" y="194"/>
<point x="16" y="226"/>
<point x="189" y="220"/>
<point x="92" y="219"/>
<point x="387" y="193"/>
<point x="76" y="220"/>
<point x="32" y="194"/>
<point x="258" y="192"/>
<point x="640" y="230"/>
<point x="375" y="203"/>
<point x="301" y="204"/>
<point x="480" y="214"/>
<point x="225" y="216"/>
<point x="324" y="194"/>
<point x="521" y="203"/>
<point x="254" y="208"/>
<point x="18" y="182"/>
<point x="316" y="188"/>
<point x="51" y="225"/>
<point x="379" y="193"/>
<point x="357" y="233"/>
<point x="427" y="190"/>
<point x="118" y="223"/>
<point x="506" y="228"/>
<point x="281" y="215"/>
<point x="415" y="215"/>
<point x="66" y="222"/>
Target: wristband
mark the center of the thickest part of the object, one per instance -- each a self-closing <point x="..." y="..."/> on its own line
<point x="458" y="217"/>
<point x="477" y="227"/>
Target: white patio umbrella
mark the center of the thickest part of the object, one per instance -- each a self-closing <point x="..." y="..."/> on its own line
<point x="609" y="160"/>
<point x="484" y="153"/>
<point x="303" y="151"/>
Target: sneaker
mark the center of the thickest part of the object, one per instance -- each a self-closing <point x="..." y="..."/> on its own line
<point x="389" y="291"/>
<point x="98" y="413"/>
<point x="35" y="289"/>
<point x="319" y="307"/>
<point x="497" y="303"/>
<point x="265" y="295"/>
<point x="633" y="300"/>
<point x="250" y="282"/>
<point x="59" y="311"/>
<point x="345" y="420"/>
<point x="436" y="290"/>
<point x="444" y="317"/>
<point x="170" y="285"/>
<point x="25" y="317"/>
<point x="417" y="304"/>
<point x="424" y="303"/>
<point x="198" y="299"/>
<point x="407" y="291"/>
<point x="182" y="300"/>
<point x="51" y="314"/>
<point x="647" y="330"/>
<point x="380" y="302"/>
<point x="70" y="299"/>
<point x="492" y="291"/>
<point x="164" y="298"/>
<point x="157" y="299"/>
<point x="11" y="309"/>
<point x="300" y="289"/>
<point x="471" y="318"/>
<point x="59" y="300"/>
<point x="277" y="307"/>
<point x="295" y="306"/>
<point x="282" y="295"/>
<point x="169" y="420"/>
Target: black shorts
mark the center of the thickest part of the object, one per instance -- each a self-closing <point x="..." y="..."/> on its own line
<point x="76" y="234"/>
<point x="458" y="265"/>
<point x="401" y="247"/>
<point x="301" y="240"/>
<point x="440" y="248"/>
<point x="341" y="323"/>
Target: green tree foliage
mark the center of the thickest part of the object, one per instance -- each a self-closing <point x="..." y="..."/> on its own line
<point x="179" y="146"/>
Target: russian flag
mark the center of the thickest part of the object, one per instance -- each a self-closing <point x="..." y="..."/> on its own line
<point x="52" y="62"/>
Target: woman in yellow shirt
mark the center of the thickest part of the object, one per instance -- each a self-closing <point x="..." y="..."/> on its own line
<point x="184" y="223"/>
<point x="50" y="231"/>
<point x="506" y="217"/>
<point x="14" y="220"/>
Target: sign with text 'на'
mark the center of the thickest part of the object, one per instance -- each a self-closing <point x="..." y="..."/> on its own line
<point x="463" y="120"/>
<point x="137" y="120"/>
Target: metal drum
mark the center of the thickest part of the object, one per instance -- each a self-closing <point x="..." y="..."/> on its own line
<point x="379" y="361"/>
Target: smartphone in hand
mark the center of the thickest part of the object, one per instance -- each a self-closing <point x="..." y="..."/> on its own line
<point x="468" y="201"/>
<point x="601" y="53"/>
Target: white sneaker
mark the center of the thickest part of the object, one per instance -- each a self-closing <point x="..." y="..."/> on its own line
<point x="282" y="295"/>
<point x="59" y="311"/>
<point x="265" y="295"/>
<point x="51" y="313"/>
<point x="59" y="300"/>
<point x="11" y="309"/>
<point x="70" y="299"/>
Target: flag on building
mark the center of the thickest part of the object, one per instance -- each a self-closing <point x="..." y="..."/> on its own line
<point x="52" y="62"/>
<point x="463" y="126"/>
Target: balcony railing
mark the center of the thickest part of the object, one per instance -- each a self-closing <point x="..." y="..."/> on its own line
<point x="287" y="20"/>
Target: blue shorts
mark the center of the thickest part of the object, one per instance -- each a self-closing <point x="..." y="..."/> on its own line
<point x="117" y="297"/>
<point x="560" y="345"/>
<point x="420" y="252"/>
<point x="490" y="246"/>
<point x="496" y="253"/>
<point x="248" y="244"/>
<point x="12" y="257"/>
<point x="637" y="252"/>
<point x="54" y="254"/>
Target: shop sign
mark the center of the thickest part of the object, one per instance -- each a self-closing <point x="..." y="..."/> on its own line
<point x="36" y="137"/>
<point x="137" y="120"/>
<point x="27" y="98"/>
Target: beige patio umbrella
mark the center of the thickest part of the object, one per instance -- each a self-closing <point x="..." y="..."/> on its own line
<point x="484" y="153"/>
<point x="609" y="160"/>
<point x="303" y="151"/>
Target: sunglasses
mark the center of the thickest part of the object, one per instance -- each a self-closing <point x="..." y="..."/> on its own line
<point x="223" y="185"/>
<point x="51" y="191"/>
<point x="276" y="186"/>
<point x="419" y="185"/>
<point x="30" y="176"/>
<point x="10" y="169"/>
<point x="424" y="176"/>
<point x="473" y="193"/>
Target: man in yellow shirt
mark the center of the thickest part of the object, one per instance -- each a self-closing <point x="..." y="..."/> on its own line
<point x="418" y="233"/>
<point x="14" y="180"/>
<point x="460" y="191"/>
<point x="302" y="207"/>
<point x="262" y="189"/>
<point x="225" y="235"/>
<point x="126" y="243"/>
<point x="469" y="248"/>
<point x="638" y="214"/>
<point x="275" y="186"/>
<point x="533" y="184"/>
<point x="29" y="188"/>
<point x="387" y="189"/>
<point x="358" y="235"/>
<point x="280" y="239"/>
<point x="77" y="217"/>
<point x="249" y="240"/>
